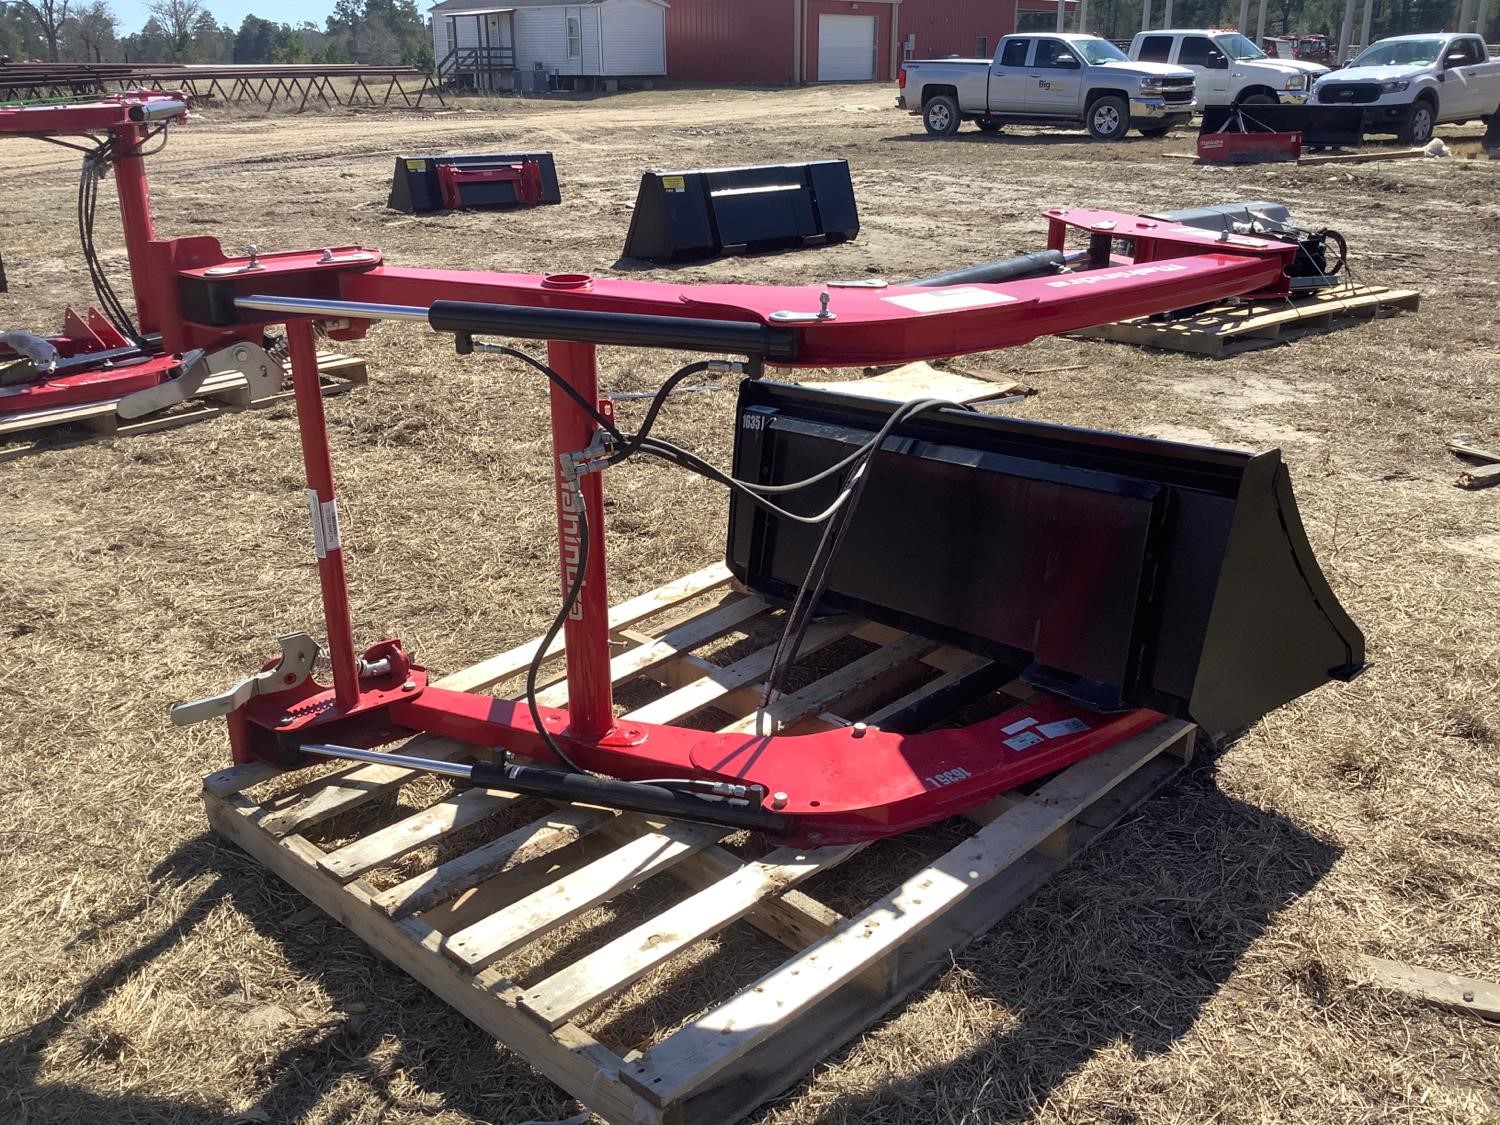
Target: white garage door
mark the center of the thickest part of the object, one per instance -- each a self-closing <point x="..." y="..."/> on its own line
<point x="846" y="48"/>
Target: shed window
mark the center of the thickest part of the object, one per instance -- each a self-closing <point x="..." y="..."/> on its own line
<point x="575" y="37"/>
<point x="982" y="47"/>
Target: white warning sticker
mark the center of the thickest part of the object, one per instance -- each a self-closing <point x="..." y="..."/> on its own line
<point x="948" y="300"/>
<point x="1023" y="740"/>
<point x="324" y="516"/>
<point x="1019" y="724"/>
<point x="1062" y="727"/>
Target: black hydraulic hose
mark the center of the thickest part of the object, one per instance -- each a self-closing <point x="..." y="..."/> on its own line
<point x="1035" y="264"/>
<point x="632" y="796"/>
<point x="157" y="111"/>
<point x="742" y="810"/>
<point x="631" y="330"/>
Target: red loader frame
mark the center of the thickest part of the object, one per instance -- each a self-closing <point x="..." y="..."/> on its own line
<point x="836" y="786"/>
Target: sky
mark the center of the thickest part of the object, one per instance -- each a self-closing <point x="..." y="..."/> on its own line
<point x="134" y="13"/>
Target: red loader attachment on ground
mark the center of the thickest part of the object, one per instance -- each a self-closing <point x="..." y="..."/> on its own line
<point x="1132" y="578"/>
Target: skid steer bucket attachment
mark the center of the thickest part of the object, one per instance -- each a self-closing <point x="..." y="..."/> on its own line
<point x="473" y="180"/>
<point x="707" y="212"/>
<point x="1117" y="571"/>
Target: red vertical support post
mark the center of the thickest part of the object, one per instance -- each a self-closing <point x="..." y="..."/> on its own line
<point x="323" y="508"/>
<point x="135" y="217"/>
<point x="586" y="632"/>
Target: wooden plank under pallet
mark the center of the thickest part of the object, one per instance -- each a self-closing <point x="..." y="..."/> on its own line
<point x="467" y="921"/>
<point x="225" y="391"/>
<point x="1228" y="329"/>
<point x="1484" y="476"/>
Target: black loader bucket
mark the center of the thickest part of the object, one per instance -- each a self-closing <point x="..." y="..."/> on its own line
<point x="703" y="214"/>
<point x="1117" y="571"/>
<point x="1319" y="124"/>
<point x="473" y="180"/>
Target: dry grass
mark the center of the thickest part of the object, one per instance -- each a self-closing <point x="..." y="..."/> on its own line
<point x="1190" y="969"/>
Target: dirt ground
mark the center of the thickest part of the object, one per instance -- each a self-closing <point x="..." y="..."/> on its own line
<point x="1192" y="968"/>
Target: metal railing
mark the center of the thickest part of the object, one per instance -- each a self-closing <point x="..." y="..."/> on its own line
<point x="475" y="60"/>
<point x="262" y="84"/>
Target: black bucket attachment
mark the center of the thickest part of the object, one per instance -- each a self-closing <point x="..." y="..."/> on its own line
<point x="1318" y="124"/>
<point x="1117" y="571"/>
<point x="705" y="213"/>
<point x="450" y="183"/>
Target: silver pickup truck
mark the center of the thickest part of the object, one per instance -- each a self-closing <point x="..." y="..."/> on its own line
<point x="1049" y="79"/>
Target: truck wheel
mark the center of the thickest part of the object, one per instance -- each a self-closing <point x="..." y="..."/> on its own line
<point x="1418" y="127"/>
<point x="1258" y="99"/>
<point x="940" y="116"/>
<point x="988" y="126"/>
<point x="1108" y="118"/>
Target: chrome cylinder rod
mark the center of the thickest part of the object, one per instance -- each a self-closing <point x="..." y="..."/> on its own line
<point x="315" y="306"/>
<point x="462" y="770"/>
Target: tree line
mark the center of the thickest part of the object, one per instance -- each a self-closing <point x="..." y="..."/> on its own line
<point x="1120" y="19"/>
<point x="185" y="31"/>
<point x="394" y="31"/>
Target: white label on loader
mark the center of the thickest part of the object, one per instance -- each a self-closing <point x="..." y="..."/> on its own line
<point x="1062" y="727"/>
<point x="324" y="517"/>
<point x="948" y="300"/>
<point x="1023" y="740"/>
<point x="1018" y="725"/>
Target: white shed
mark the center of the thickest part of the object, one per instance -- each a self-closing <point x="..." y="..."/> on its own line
<point x="525" y="44"/>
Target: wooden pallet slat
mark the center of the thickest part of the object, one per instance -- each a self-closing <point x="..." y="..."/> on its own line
<point x="440" y="883"/>
<point x="488" y="673"/>
<point x="718" y="682"/>
<point x="631" y="956"/>
<point x="699" y="630"/>
<point x="390" y="843"/>
<point x="513" y="926"/>
<point x="966" y="666"/>
<point x="798" y="705"/>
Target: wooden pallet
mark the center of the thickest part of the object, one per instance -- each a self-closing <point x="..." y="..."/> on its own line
<point x="492" y="907"/>
<point x="225" y="391"/>
<point x="1231" y="328"/>
<point x="922" y="380"/>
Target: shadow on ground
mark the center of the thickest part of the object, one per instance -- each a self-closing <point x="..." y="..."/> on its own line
<point x="383" y="1034"/>
<point x="1127" y="945"/>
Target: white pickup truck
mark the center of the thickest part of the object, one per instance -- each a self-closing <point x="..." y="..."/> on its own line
<point x="1410" y="83"/>
<point x="1048" y="79"/>
<point x="1230" y="70"/>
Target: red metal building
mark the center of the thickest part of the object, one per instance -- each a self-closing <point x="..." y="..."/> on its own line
<point x="789" y="42"/>
<point x="734" y="42"/>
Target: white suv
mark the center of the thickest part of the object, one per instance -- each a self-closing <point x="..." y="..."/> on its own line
<point x="1228" y="68"/>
